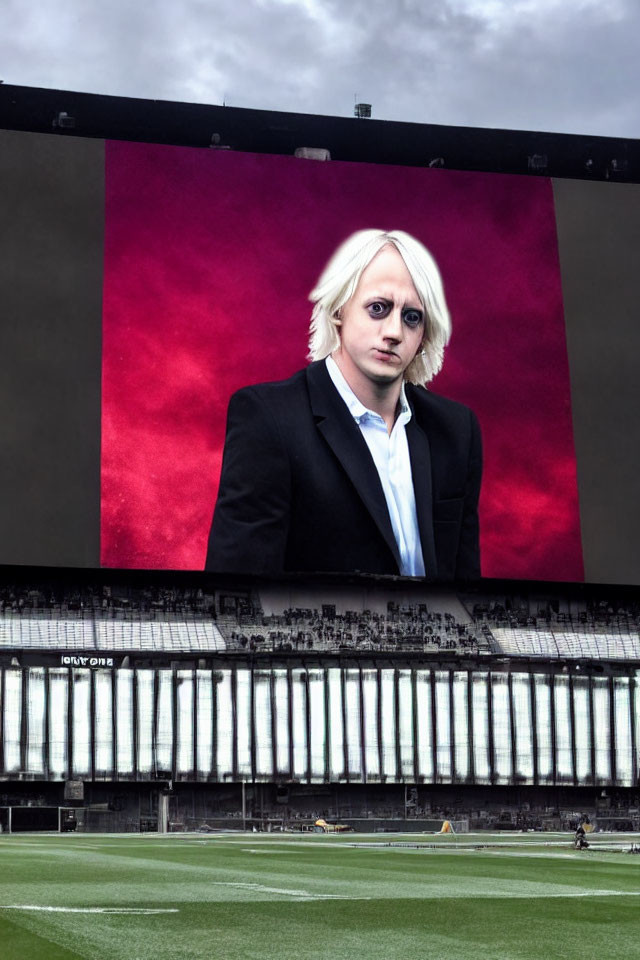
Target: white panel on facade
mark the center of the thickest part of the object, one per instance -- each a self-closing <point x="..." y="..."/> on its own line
<point x="263" y="734"/>
<point x="145" y="683"/>
<point x="443" y="726"/>
<point x="243" y="715"/>
<point x="353" y="708"/>
<point x="521" y="694"/>
<point x="602" y="728"/>
<point x="164" y="722"/>
<point x="480" y="708"/>
<point x="636" y="772"/>
<point x="543" y="727"/>
<point x="461" y="724"/>
<point x="424" y="725"/>
<point x="204" y="722"/>
<point x="622" y="714"/>
<point x="388" y="710"/>
<point x="299" y="731"/>
<point x="502" y="759"/>
<point x="103" y="680"/>
<point x="281" y="707"/>
<point x="336" y="731"/>
<point x="124" y="722"/>
<point x="58" y="705"/>
<point x="81" y="725"/>
<point x="318" y="730"/>
<point x="370" y="708"/>
<point x="405" y="724"/>
<point x="564" y="763"/>
<point x="184" y="722"/>
<point x="582" y="715"/>
<point x="35" y="720"/>
<point x="224" y="725"/>
<point x="12" y="726"/>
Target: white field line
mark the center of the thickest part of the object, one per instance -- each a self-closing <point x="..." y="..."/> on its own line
<point x="127" y="910"/>
<point x="283" y="891"/>
<point x="570" y="852"/>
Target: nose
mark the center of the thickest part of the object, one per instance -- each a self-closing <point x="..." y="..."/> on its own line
<point x="392" y="329"/>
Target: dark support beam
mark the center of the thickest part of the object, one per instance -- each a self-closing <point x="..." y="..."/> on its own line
<point x="307" y="712"/>
<point x="396" y="714"/>
<point x="634" y="744"/>
<point x="379" y="721"/>
<point x="24" y="716"/>
<point x="135" y="723"/>
<point x="290" y="720"/>
<point x="92" y="724"/>
<point x="363" y="732"/>
<point x="194" y="721"/>
<point x="613" y="751"/>
<point x="592" y="725"/>
<point x="327" y="737"/>
<point x="512" y="729"/>
<point x="552" y="708"/>
<point x="534" y="727"/>
<point x="452" y="730"/>
<point x="3" y="694"/>
<point x="234" y="725"/>
<point x="343" y="704"/>
<point x="174" y="723"/>
<point x="434" y="726"/>
<point x="572" y="718"/>
<point x="214" y="725"/>
<point x="69" y="723"/>
<point x="492" y="755"/>
<point x="274" y="727"/>
<point x="253" y="736"/>
<point x="472" y="757"/>
<point x="47" y="723"/>
<point x="114" y="724"/>
<point x="414" y="725"/>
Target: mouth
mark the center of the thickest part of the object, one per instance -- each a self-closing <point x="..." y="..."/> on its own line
<point x="387" y="356"/>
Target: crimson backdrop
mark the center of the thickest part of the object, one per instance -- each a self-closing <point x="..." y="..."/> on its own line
<point x="209" y="258"/>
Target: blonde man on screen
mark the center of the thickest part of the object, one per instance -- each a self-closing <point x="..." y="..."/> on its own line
<point x="351" y="464"/>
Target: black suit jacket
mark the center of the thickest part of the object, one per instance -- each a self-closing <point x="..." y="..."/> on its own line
<point x="299" y="490"/>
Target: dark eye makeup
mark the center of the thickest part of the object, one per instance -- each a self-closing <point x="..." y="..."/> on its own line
<point x="379" y="309"/>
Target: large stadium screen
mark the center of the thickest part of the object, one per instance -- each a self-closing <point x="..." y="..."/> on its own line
<point x="143" y="285"/>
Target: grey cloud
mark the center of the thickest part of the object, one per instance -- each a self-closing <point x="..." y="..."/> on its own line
<point x="570" y="66"/>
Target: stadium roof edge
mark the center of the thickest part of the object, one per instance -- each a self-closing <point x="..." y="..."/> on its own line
<point x="577" y="156"/>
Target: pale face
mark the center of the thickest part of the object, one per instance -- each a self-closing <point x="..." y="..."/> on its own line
<point x="382" y="326"/>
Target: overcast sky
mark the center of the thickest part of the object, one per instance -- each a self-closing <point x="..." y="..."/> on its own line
<point x="560" y="65"/>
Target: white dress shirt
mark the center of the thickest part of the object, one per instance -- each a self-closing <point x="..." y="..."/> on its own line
<point x="390" y="454"/>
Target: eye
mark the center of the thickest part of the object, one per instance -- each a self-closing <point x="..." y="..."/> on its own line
<point x="412" y="318"/>
<point x="378" y="309"/>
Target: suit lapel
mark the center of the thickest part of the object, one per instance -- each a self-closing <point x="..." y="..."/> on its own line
<point x="420" y="456"/>
<point x="343" y="436"/>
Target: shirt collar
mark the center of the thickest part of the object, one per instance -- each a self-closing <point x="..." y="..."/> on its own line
<point x="357" y="409"/>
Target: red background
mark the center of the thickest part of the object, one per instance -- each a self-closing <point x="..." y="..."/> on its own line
<point x="209" y="259"/>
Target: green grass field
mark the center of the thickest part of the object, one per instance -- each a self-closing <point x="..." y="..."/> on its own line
<point x="247" y="896"/>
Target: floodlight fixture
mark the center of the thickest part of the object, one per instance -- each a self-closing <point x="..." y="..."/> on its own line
<point x="312" y="153"/>
<point x="216" y="142"/>
<point x="362" y="111"/>
<point x="64" y="121"/>
<point x="538" y="163"/>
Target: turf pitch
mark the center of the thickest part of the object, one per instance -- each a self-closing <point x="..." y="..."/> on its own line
<point x="380" y="897"/>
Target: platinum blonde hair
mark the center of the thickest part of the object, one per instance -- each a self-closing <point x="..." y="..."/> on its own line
<point x="338" y="282"/>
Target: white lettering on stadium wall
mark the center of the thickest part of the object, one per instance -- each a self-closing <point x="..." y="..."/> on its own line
<point x="77" y="661"/>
